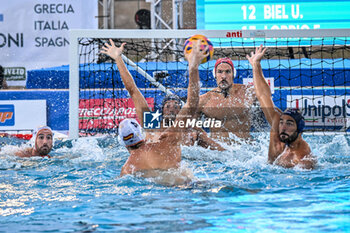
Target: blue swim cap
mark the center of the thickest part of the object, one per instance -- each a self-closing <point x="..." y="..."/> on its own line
<point x="297" y="116"/>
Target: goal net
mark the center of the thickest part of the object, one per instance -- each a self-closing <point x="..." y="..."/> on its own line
<point x="306" y="69"/>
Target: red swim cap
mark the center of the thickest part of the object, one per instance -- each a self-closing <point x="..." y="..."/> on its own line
<point x="227" y="61"/>
<point x="224" y="60"/>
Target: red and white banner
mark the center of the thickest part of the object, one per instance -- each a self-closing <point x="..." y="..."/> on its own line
<point x="106" y="113"/>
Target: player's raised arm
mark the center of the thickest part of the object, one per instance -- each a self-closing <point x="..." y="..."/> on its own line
<point x="194" y="60"/>
<point x="188" y="111"/>
<point x="261" y="87"/>
<point x="138" y="99"/>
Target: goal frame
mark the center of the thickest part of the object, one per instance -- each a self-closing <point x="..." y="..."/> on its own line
<point x="75" y="34"/>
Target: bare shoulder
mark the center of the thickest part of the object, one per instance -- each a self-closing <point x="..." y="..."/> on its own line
<point x="308" y="161"/>
<point x="24" y="153"/>
<point x="205" y="96"/>
<point x="170" y="136"/>
<point x="203" y="99"/>
<point x="305" y="148"/>
<point x="126" y="169"/>
<point x="241" y="86"/>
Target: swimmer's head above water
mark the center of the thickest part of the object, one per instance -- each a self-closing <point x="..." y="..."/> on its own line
<point x="43" y="140"/>
<point x="224" y="73"/>
<point x="171" y="106"/>
<point x="291" y="125"/>
<point x="130" y="133"/>
<point x="226" y="60"/>
<point x="297" y="116"/>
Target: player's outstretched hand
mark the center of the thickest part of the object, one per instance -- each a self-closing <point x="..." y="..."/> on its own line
<point x="112" y="50"/>
<point x="257" y="56"/>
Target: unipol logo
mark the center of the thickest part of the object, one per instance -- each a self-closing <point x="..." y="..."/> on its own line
<point x="322" y="110"/>
<point x="1" y="17"/>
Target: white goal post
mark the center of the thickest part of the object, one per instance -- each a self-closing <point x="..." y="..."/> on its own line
<point x="75" y="35"/>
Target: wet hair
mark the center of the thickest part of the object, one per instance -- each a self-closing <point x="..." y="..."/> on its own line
<point x="171" y="97"/>
<point x="297" y="116"/>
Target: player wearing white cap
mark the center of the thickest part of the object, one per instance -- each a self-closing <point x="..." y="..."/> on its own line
<point x="171" y="105"/>
<point x="164" y="152"/>
<point x="43" y="140"/>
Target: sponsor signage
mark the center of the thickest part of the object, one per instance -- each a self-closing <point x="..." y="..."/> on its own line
<point x="234" y="34"/>
<point x="319" y="110"/>
<point x="34" y="33"/>
<point x="15" y="73"/>
<point x="22" y="114"/>
<point x="106" y="113"/>
<point x="7" y="115"/>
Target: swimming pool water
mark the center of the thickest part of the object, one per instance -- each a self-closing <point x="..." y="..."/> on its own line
<point x="79" y="190"/>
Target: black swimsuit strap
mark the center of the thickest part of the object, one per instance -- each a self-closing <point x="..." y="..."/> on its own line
<point x="224" y="92"/>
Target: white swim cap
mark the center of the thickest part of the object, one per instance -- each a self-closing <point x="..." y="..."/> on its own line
<point x="40" y="128"/>
<point x="37" y="131"/>
<point x="130" y="132"/>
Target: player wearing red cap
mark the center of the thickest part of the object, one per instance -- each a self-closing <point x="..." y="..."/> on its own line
<point x="228" y="102"/>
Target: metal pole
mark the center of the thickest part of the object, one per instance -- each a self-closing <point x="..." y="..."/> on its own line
<point x="181" y="16"/>
<point x="73" y="86"/>
<point x="153" y="18"/>
<point x="175" y="18"/>
<point x="112" y="14"/>
<point x="105" y="13"/>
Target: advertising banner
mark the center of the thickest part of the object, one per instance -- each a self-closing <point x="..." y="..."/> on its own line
<point x="22" y="114"/>
<point x="106" y="113"/>
<point x="319" y="110"/>
<point x="34" y="33"/>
